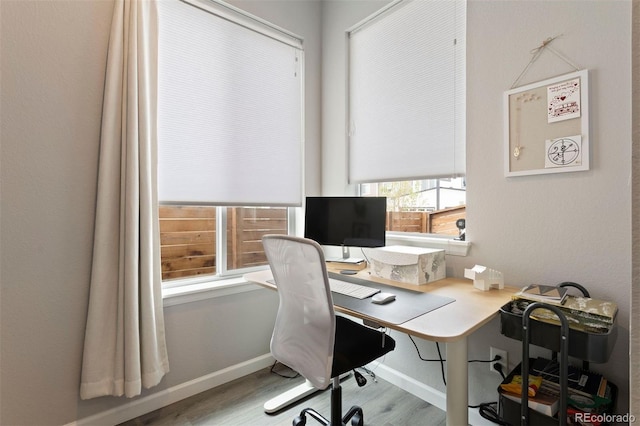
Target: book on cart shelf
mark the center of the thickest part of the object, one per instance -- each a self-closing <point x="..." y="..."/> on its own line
<point x="543" y="293"/>
<point x="586" y="389"/>
<point x="541" y="397"/>
<point x="583" y="313"/>
<point x="544" y="401"/>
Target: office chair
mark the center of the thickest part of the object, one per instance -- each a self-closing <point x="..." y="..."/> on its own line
<point x="308" y="337"/>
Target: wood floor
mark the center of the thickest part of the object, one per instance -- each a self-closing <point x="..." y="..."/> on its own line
<point x="239" y="403"/>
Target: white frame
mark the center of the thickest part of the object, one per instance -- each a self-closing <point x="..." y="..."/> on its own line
<point x="582" y="128"/>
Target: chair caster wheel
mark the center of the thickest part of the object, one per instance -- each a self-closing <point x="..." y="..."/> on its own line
<point x="300" y="421"/>
<point x="357" y="420"/>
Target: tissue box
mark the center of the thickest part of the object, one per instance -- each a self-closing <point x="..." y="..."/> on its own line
<point x="413" y="265"/>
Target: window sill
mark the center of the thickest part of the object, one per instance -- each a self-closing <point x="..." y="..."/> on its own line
<point x="449" y="245"/>
<point x="206" y="290"/>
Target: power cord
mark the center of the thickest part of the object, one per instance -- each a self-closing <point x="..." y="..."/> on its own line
<point x="487" y="409"/>
<point x="442" y="361"/>
<point x="278" y="373"/>
<point x="489" y="412"/>
<point x="364" y="255"/>
<point x="498" y="367"/>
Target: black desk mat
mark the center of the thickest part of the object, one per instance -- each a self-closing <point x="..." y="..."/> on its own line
<point x="407" y="306"/>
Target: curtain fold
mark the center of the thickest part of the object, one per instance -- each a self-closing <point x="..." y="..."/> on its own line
<point x="125" y="347"/>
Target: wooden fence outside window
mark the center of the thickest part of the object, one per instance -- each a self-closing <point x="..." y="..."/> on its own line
<point x="188" y="234"/>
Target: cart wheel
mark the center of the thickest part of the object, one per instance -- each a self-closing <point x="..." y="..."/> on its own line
<point x="357" y="420"/>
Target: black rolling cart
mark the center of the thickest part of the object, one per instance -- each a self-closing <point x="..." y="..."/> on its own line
<point x="563" y="342"/>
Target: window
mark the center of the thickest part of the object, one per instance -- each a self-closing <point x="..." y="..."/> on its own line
<point x="192" y="242"/>
<point x="407" y="113"/>
<point x="406" y="93"/>
<point x="429" y="206"/>
<point x="230" y="126"/>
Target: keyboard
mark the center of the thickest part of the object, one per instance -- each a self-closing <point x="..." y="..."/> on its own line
<point x="351" y="289"/>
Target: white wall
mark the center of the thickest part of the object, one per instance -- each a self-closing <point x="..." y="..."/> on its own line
<point x="53" y="59"/>
<point x="553" y="228"/>
<point x="544" y="229"/>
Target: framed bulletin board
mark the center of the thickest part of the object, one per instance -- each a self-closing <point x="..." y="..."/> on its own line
<point x="547" y="126"/>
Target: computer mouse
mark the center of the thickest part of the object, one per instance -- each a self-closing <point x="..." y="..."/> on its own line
<point x="382" y="298"/>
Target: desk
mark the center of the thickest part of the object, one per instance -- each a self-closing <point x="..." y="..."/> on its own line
<point x="451" y="324"/>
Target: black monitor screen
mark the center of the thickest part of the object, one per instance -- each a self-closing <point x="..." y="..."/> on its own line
<point x="346" y="221"/>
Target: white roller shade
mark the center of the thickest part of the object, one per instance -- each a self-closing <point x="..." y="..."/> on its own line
<point x="406" y="93"/>
<point x="230" y="108"/>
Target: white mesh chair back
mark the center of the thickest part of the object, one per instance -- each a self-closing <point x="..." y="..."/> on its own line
<point x="304" y="332"/>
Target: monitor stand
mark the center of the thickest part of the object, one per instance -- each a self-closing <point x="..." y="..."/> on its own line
<point x="346" y="257"/>
<point x="345" y="252"/>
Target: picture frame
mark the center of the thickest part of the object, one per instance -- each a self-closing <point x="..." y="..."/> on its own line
<point x="547" y="126"/>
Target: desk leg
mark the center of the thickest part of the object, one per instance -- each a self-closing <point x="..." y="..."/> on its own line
<point x="457" y="383"/>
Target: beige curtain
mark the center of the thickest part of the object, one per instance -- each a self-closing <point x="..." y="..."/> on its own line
<point x="124" y="347"/>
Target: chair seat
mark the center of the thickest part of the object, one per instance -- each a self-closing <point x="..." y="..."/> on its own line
<point x="357" y="345"/>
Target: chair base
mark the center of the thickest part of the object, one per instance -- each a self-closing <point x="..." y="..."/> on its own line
<point x="293" y="395"/>
<point x="289" y="397"/>
<point x="355" y="413"/>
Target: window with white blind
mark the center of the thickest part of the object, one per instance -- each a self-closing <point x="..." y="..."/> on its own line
<point x="230" y="107"/>
<point x="406" y="112"/>
<point x="230" y="136"/>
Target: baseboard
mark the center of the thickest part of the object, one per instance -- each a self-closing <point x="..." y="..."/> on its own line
<point x="157" y="400"/>
<point x="423" y="391"/>
<point x="411" y="385"/>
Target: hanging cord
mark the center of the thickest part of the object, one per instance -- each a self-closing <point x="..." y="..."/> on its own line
<point x="290" y="374"/>
<point x="364" y="255"/>
<point x="536" y="54"/>
<point x="486" y="409"/>
<point x="440" y="359"/>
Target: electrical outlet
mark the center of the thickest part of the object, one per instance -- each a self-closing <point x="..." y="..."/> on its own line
<point x="504" y="360"/>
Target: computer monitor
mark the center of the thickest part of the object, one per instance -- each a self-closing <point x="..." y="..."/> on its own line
<point x="346" y="221"/>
